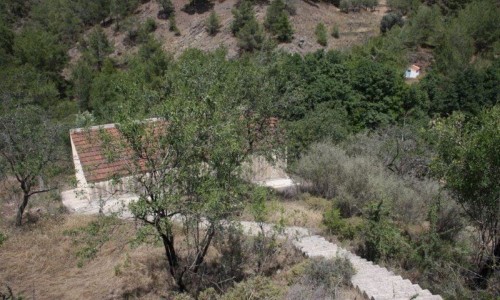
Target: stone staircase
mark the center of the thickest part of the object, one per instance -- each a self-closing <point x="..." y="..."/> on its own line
<point x="371" y="280"/>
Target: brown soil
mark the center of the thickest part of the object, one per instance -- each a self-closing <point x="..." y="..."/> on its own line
<point x="354" y="28"/>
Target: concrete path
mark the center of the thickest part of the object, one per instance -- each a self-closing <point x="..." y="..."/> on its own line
<point x="373" y="281"/>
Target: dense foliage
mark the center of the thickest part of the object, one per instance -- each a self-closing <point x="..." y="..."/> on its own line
<point x="374" y="152"/>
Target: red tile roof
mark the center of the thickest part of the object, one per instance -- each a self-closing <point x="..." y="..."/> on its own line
<point x="102" y="161"/>
<point x="415" y="67"/>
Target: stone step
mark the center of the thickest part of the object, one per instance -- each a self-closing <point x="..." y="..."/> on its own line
<point x="419" y="297"/>
<point x="389" y="287"/>
<point x="380" y="275"/>
<point x="431" y="297"/>
<point x="369" y="269"/>
<point x="371" y="280"/>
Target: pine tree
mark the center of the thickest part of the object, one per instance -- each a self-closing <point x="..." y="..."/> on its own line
<point x="274" y="12"/>
<point x="321" y="36"/>
<point x="242" y="15"/>
<point x="284" y="30"/>
<point x="213" y="23"/>
<point x="277" y="21"/>
<point x="251" y="36"/>
<point x="335" y="31"/>
<point x="173" y="25"/>
<point x="167" y="8"/>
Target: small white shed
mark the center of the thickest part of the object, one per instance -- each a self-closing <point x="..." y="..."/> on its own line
<point x="412" y="72"/>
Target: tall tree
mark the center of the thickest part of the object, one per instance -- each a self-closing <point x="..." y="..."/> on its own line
<point x="277" y="22"/>
<point x="98" y="48"/>
<point x="40" y="49"/>
<point x="24" y="85"/>
<point x="193" y="155"/>
<point x="468" y="161"/>
<point x="242" y="14"/>
<point x="29" y="148"/>
<point x="251" y="36"/>
<point x="167" y="9"/>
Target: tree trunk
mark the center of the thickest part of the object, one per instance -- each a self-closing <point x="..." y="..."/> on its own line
<point x="173" y="262"/>
<point x="22" y="207"/>
<point x="488" y="268"/>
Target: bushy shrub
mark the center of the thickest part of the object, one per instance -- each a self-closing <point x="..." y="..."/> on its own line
<point x="356" y="5"/>
<point x="208" y="294"/>
<point x="3" y="238"/>
<point x="251" y="36"/>
<point x="291" y="7"/>
<point x="242" y="15"/>
<point x="389" y="20"/>
<point x="335" y="224"/>
<point x="335" y="31"/>
<point x="328" y="274"/>
<point x="167" y="9"/>
<point x="150" y="25"/>
<point x="321" y="36"/>
<point x="255" y="288"/>
<point x="277" y="22"/>
<point x="173" y="25"/>
<point x="382" y="239"/>
<point x="213" y="23"/>
<point x="333" y="174"/>
<point x="345" y="5"/>
<point x="7" y="293"/>
<point x="357" y="179"/>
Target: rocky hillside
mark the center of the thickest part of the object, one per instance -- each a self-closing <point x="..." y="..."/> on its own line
<point x="354" y="28"/>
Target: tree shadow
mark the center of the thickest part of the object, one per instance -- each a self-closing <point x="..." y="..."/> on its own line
<point x="197" y="7"/>
<point x="312" y="3"/>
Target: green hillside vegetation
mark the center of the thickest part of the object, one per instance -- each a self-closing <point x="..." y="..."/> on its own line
<point x="410" y="170"/>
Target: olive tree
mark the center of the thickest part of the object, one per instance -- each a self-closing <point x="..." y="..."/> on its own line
<point x="29" y="148"/>
<point x="187" y="163"/>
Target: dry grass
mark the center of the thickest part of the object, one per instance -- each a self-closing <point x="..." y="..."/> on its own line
<point x="39" y="262"/>
<point x="303" y="211"/>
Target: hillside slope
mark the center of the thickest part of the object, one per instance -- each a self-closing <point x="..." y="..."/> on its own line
<point x="354" y="28"/>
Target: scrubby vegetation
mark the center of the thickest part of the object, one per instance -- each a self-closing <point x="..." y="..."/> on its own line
<point x="406" y="173"/>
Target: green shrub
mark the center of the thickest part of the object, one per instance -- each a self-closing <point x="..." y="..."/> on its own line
<point x="321" y="36"/>
<point x="335" y="31"/>
<point x="208" y="294"/>
<point x="291" y="7"/>
<point x="345" y="5"/>
<point x="3" y="238"/>
<point x="173" y="25"/>
<point x="251" y="36"/>
<point x="168" y="9"/>
<point x="213" y="23"/>
<point x="331" y="273"/>
<point x="382" y="239"/>
<point x="255" y="288"/>
<point x="150" y="25"/>
<point x="277" y="21"/>
<point x="357" y="178"/>
<point x="6" y="293"/>
<point x="335" y="224"/>
<point x="242" y="15"/>
<point x="389" y="20"/>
